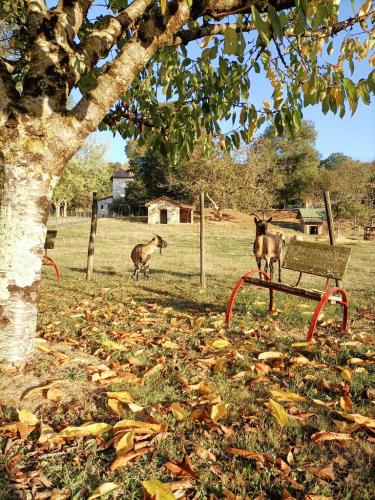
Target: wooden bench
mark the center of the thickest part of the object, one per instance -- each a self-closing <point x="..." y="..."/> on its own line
<point x="317" y="259"/>
<point x="49" y="245"/>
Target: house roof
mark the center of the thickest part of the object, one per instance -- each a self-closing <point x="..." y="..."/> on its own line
<point x="317" y="215"/>
<point x="169" y="200"/>
<point x="123" y="173"/>
<point x="106" y="198"/>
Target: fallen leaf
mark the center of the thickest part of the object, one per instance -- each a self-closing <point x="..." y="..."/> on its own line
<point x="220" y="343"/>
<point x="155" y="490"/>
<point x="271" y="355"/>
<point x="125" y="444"/>
<point x="181" y="469"/>
<point x="178" y="411"/>
<point x="116" y="406"/>
<point x="218" y="411"/>
<point x="286" y="396"/>
<point x="278" y="412"/>
<point x="170" y="345"/>
<point x="204" y="453"/>
<point x="250" y="455"/>
<point x="86" y="430"/>
<point x="123" y="460"/>
<point x="122" y="396"/>
<point x="346" y="403"/>
<point x="27" y="417"/>
<point x="325" y="473"/>
<point x="330" y="436"/>
<point x="54" y="394"/>
<point x="103" y="490"/>
<point x="358" y="419"/>
<point x="139" y="427"/>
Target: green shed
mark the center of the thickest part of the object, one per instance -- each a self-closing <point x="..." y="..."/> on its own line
<point x="312" y="220"/>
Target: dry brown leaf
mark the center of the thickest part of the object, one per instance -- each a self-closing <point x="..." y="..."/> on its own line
<point x="286" y="396"/>
<point x="182" y="469"/>
<point x="54" y="394"/>
<point x="103" y="490"/>
<point x="330" y="436"/>
<point x="271" y="355"/>
<point x="346" y="403"/>
<point x="250" y="455"/>
<point x="325" y="473"/>
<point x="358" y="419"/>
<point x="204" y="453"/>
<point x="122" y="396"/>
<point x="85" y="430"/>
<point x="128" y="457"/>
<point x="139" y="427"/>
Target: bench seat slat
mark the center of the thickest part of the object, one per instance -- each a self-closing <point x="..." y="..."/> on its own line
<point x="317" y="259"/>
<point x="301" y="292"/>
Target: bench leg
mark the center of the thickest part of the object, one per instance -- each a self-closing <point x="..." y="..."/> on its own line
<point x="322" y="303"/>
<point x="240" y="282"/>
<point x="48" y="261"/>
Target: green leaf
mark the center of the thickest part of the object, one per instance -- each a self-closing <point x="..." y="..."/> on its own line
<point x="350" y="88"/>
<point x="279" y="123"/>
<point x="263" y="27"/>
<point x="155" y="490"/>
<point x="275" y="20"/>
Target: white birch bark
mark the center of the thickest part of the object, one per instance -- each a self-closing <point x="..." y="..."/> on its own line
<point x="23" y="214"/>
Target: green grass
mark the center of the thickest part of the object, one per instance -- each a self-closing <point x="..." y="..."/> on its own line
<point x="130" y="326"/>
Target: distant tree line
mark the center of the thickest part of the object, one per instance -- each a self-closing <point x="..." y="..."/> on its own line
<point x="271" y="172"/>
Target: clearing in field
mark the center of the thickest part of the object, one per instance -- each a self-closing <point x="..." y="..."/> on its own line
<point x="140" y="385"/>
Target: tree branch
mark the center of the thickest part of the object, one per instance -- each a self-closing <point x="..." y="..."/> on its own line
<point x="101" y="40"/>
<point x="75" y="12"/>
<point x="119" y="75"/>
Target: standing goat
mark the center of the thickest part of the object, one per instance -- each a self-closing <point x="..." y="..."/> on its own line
<point x="267" y="246"/>
<point x="141" y="255"/>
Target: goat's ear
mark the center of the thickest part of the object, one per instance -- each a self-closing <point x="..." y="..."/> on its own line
<point x="256" y="219"/>
<point x="269" y="220"/>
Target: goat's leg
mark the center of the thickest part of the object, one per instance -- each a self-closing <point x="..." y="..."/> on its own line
<point x="279" y="261"/>
<point x="146" y="271"/>
<point x="259" y="263"/>
<point x="271" y="269"/>
<point x="136" y="272"/>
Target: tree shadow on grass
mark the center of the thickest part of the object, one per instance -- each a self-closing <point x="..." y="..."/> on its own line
<point x="180" y="303"/>
<point x="95" y="271"/>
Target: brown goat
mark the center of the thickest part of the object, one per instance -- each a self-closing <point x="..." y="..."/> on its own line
<point x="141" y="255"/>
<point x="267" y="246"/>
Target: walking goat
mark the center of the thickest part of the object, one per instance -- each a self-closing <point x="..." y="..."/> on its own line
<point x="141" y="255"/>
<point x="267" y="246"/>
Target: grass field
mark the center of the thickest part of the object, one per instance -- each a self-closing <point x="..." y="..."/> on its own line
<point x="247" y="412"/>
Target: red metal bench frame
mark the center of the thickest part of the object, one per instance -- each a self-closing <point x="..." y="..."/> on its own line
<point x="322" y="297"/>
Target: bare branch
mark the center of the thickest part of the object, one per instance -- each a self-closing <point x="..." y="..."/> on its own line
<point x="222" y="8"/>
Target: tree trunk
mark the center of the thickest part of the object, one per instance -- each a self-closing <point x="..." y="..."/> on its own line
<point x="65" y="209"/>
<point x="57" y="209"/>
<point x="23" y="217"/>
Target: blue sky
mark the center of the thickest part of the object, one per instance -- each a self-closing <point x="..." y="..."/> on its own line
<point x="353" y="136"/>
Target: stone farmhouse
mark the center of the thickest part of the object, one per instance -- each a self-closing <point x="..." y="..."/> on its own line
<point x="120" y="181"/>
<point x="164" y="210"/>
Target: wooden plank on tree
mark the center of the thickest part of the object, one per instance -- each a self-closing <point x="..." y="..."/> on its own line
<point x="292" y="290"/>
<point x="318" y="259"/>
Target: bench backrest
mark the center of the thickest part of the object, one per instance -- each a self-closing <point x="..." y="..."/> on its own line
<point x="317" y="258"/>
<point x="50" y="239"/>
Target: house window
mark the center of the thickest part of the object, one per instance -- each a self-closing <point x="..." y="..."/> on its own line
<point x="102" y="207"/>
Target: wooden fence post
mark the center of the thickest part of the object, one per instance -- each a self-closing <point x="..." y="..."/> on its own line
<point x="202" y="243"/>
<point x="91" y="247"/>
<point x="331" y="229"/>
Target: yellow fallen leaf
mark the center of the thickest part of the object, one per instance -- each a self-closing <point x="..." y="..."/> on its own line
<point x="155" y="490"/>
<point x="178" y="411"/>
<point x="220" y="343"/>
<point x="27" y="417"/>
<point x="116" y="406"/>
<point x="218" y="411"/>
<point x="85" y="430"/>
<point x="271" y="355"/>
<point x="286" y="396"/>
<point x="54" y="394"/>
<point x="301" y="344"/>
<point x="11" y="427"/>
<point x="125" y="444"/>
<point x="278" y="412"/>
<point x="347" y="373"/>
<point x="330" y="436"/>
<point x="122" y="396"/>
<point x="103" y="490"/>
<point x="170" y="345"/>
<point x="139" y="426"/>
<point x="346" y="403"/>
<point x="358" y="419"/>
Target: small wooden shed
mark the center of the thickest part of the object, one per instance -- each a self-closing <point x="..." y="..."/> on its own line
<point x="312" y="220"/>
<point x="165" y="210"/>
